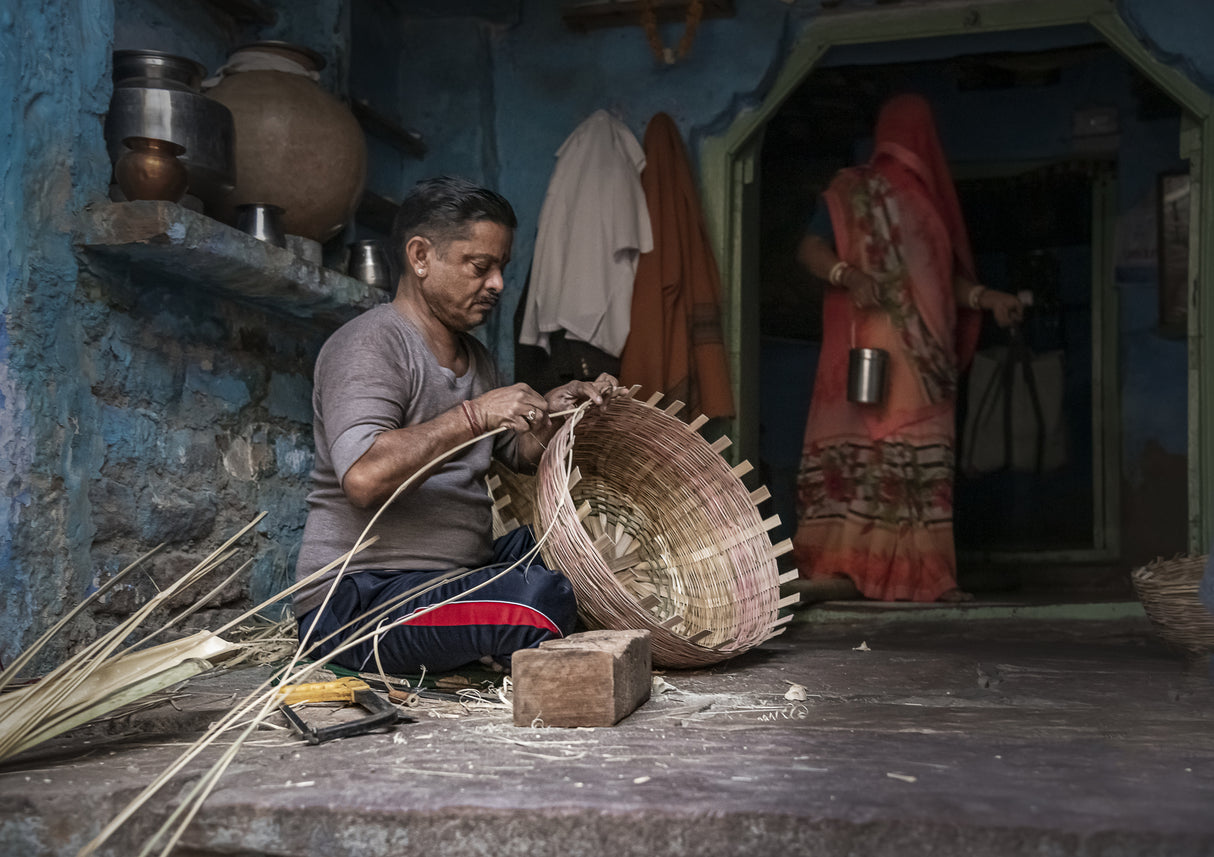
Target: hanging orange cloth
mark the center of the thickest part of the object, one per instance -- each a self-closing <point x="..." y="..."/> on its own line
<point x="674" y="343"/>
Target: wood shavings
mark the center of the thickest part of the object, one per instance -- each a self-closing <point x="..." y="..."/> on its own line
<point x="863" y="647"/>
<point x="796" y="692"/>
<point x="906" y="778"/>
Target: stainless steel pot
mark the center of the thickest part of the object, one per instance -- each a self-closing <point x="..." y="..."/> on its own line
<point x="263" y="221"/>
<point x="155" y="95"/>
<point x="369" y="263"/>
<point x="158" y="69"/>
<point x="867" y="375"/>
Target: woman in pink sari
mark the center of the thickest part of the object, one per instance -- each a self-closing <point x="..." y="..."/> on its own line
<point x="874" y="493"/>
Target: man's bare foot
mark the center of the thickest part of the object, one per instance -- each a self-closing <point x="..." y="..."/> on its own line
<point x="956" y="595"/>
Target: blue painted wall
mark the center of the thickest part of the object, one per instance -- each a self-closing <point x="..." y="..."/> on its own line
<point x="127" y="418"/>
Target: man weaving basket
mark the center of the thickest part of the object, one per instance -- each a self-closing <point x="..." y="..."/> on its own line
<point x="395" y="388"/>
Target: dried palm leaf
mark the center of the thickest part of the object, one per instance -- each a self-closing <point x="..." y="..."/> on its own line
<point x="262" y="700"/>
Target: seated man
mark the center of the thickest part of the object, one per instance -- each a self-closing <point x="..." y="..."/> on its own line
<point x="395" y="388"/>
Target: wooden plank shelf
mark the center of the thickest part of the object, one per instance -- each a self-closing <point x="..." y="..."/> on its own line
<point x="376" y="211"/>
<point x="165" y="244"/>
<point x="246" y="11"/>
<point x="583" y="15"/>
<point x="373" y="122"/>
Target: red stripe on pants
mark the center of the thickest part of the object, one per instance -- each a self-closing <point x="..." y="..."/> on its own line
<point x="482" y="613"/>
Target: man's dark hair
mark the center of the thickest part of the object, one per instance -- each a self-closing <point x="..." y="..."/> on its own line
<point x="442" y="210"/>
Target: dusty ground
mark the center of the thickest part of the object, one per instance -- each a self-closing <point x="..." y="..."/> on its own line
<point x="941" y="738"/>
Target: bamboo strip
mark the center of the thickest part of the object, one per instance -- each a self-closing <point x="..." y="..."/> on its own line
<point x="779" y="550"/>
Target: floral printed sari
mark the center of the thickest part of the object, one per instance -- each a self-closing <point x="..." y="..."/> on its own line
<point x="874" y="493"/>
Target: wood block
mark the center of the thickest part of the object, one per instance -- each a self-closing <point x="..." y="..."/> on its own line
<point x="595" y="678"/>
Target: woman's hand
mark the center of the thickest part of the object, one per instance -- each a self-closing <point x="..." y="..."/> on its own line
<point x="1006" y="308"/>
<point x="864" y="290"/>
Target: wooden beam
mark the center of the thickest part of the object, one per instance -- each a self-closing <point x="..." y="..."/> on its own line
<point x="596" y="14"/>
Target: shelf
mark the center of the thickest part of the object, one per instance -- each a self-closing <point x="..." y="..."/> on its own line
<point x="377" y="212"/>
<point x="406" y="139"/>
<point x="161" y="243"/>
<point x="583" y="15"/>
<point x="246" y="11"/>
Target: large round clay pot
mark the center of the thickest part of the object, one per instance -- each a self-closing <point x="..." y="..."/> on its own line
<point x="297" y="146"/>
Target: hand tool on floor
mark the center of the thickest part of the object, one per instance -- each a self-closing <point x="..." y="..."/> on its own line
<point x="348" y="690"/>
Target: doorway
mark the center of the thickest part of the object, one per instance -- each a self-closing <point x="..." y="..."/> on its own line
<point x="819" y="117"/>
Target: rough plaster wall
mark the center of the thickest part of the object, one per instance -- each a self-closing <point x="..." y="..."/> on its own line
<point x="129" y="416"/>
<point x="53" y="160"/>
<point x="204" y="420"/>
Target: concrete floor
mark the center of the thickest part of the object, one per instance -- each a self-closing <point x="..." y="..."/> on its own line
<point x="933" y="734"/>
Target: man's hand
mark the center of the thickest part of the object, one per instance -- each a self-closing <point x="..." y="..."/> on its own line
<point x="517" y="406"/>
<point x="574" y="393"/>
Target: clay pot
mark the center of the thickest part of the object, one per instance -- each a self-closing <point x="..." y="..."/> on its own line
<point x="297" y="146"/>
<point x="149" y="169"/>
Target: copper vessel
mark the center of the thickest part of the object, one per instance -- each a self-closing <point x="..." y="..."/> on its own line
<point x="149" y="169"/>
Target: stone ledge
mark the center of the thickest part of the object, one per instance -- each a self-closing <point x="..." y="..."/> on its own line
<point x="956" y="740"/>
<point x="162" y="243"/>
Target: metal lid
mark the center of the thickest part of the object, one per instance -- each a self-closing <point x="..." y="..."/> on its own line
<point x="157" y="69"/>
<point x="308" y="58"/>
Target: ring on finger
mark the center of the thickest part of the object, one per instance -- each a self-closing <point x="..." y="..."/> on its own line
<point x="530" y="416"/>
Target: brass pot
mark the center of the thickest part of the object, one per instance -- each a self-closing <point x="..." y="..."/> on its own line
<point x="150" y="169"/>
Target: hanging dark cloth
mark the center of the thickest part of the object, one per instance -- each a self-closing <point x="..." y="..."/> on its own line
<point x="674" y="343"/>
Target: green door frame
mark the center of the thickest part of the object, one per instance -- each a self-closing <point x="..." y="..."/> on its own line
<point x="730" y="170"/>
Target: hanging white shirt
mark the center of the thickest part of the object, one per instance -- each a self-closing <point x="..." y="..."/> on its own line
<point x="593" y="225"/>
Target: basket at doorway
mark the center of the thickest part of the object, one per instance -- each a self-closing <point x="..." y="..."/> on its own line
<point x="1168" y="592"/>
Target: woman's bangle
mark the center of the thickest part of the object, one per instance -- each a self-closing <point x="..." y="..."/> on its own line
<point x="836" y="273"/>
<point x="975" y="295"/>
<point x="473" y="422"/>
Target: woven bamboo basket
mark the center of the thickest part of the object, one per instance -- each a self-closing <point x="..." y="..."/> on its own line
<point x="657" y="532"/>
<point x="1168" y="592"/>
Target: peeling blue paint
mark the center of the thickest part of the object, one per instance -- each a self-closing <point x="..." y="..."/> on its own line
<point x="227" y="393"/>
<point x="293" y="455"/>
<point x="290" y="396"/>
